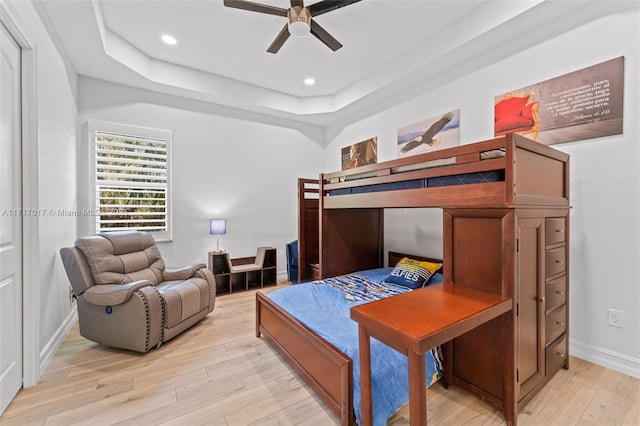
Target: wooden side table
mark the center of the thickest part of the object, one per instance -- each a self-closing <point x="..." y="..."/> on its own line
<point x="415" y="322"/>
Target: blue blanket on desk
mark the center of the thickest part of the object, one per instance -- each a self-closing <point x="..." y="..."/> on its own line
<point x="324" y="305"/>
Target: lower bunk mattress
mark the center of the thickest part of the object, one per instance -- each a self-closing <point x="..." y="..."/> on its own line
<point x="324" y="306"/>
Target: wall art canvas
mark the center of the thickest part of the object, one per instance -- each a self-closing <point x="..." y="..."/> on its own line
<point x="431" y="134"/>
<point x="584" y="104"/>
<point x="360" y="154"/>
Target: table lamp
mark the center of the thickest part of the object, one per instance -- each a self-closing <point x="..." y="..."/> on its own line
<point x="218" y="227"/>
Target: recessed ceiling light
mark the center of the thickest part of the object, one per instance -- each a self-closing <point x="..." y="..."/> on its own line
<point x="169" y="39"/>
<point x="309" y="81"/>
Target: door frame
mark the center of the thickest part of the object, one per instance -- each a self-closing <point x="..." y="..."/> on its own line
<point x="30" y="228"/>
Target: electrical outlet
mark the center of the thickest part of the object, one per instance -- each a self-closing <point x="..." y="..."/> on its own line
<point x="615" y="318"/>
<point x="70" y="294"/>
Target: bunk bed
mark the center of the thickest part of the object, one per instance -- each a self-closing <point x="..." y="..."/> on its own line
<point x="505" y="205"/>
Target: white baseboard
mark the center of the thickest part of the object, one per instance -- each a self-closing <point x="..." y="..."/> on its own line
<point x="606" y="358"/>
<point x="52" y="346"/>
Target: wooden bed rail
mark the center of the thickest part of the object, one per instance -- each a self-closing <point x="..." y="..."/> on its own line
<point x="462" y="151"/>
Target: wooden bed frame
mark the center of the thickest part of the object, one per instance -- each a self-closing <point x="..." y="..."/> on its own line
<point x="508" y="237"/>
<point x="326" y="369"/>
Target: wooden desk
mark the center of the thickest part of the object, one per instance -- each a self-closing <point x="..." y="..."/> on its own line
<point x="415" y="322"/>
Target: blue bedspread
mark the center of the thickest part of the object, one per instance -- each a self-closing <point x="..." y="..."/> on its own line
<point x="324" y="307"/>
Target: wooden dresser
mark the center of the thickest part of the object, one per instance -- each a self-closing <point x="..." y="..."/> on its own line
<point x="521" y="253"/>
<point x="555" y="295"/>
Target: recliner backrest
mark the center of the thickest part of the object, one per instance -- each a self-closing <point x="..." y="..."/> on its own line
<point x="77" y="270"/>
<point x="122" y="257"/>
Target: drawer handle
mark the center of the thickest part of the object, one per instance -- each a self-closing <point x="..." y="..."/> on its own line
<point x="559" y="230"/>
<point x="560" y="262"/>
<point x="560" y="292"/>
<point x="561" y="354"/>
<point x="559" y="323"/>
<point x="541" y="299"/>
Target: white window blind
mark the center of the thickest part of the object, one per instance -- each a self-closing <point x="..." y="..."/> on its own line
<point x="132" y="182"/>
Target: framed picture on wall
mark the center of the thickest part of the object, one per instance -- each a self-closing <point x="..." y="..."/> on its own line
<point x="431" y="134"/>
<point x="360" y="154"/>
<point x="583" y="104"/>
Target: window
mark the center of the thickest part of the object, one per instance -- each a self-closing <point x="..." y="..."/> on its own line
<point x="131" y="175"/>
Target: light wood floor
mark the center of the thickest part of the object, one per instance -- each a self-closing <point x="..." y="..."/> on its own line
<point x="219" y="373"/>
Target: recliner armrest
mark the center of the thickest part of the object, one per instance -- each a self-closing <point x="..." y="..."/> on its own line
<point x="113" y="294"/>
<point x="181" y="273"/>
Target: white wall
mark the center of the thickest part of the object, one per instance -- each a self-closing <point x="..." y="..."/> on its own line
<point x="221" y="167"/>
<point x="605" y="237"/>
<point x="56" y="183"/>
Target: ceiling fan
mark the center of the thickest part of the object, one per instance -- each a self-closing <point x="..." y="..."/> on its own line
<point x="299" y="19"/>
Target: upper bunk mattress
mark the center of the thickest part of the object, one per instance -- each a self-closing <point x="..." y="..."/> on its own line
<point x="460" y="179"/>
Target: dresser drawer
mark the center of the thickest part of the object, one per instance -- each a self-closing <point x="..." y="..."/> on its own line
<point x="556" y="356"/>
<point x="554" y="230"/>
<point x="555" y="293"/>
<point x="555" y="324"/>
<point x="555" y="261"/>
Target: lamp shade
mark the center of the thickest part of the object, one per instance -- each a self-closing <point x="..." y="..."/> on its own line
<point x="218" y="226"/>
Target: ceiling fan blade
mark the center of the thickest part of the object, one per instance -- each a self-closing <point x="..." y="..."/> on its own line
<point x="322" y="35"/>
<point x="298" y="3"/>
<point x="255" y="7"/>
<point x="279" y="41"/>
<point x="328" y="5"/>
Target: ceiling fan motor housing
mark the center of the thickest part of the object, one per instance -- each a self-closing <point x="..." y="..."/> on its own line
<point x="299" y="20"/>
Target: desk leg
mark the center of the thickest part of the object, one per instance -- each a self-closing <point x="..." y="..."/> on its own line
<point x="447" y="355"/>
<point x="366" y="415"/>
<point x="417" y="390"/>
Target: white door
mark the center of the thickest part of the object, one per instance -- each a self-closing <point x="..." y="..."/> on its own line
<point x="10" y="220"/>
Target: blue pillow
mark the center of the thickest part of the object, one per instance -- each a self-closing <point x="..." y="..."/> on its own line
<point x="412" y="273"/>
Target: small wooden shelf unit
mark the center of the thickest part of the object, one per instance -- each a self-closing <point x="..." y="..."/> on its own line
<point x="229" y="282"/>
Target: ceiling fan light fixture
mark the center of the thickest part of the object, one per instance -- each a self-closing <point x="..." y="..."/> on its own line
<point x="299" y="29"/>
<point x="299" y="21"/>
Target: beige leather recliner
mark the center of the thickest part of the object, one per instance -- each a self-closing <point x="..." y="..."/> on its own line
<point x="126" y="296"/>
